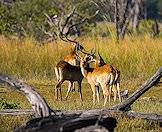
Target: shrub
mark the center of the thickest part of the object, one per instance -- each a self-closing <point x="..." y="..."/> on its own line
<point x="8" y="105"/>
<point x="145" y="26"/>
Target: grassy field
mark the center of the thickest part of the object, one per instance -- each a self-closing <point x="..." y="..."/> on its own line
<point x="137" y="58"/>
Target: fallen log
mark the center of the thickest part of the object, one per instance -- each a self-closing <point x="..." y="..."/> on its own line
<point x="73" y="120"/>
<point x="68" y="123"/>
<point x="96" y="112"/>
<point x="38" y="103"/>
<point x="17" y="112"/>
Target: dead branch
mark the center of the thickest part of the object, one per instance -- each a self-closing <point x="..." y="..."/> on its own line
<point x="38" y="103"/>
<point x="17" y="112"/>
<point x="68" y="122"/>
<point x="73" y="120"/>
<point x="125" y="106"/>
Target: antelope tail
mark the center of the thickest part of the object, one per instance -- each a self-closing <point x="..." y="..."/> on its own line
<point x="117" y="77"/>
<point x="57" y="73"/>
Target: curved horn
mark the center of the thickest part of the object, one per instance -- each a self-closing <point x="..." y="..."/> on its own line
<point x="84" y="52"/>
<point x="72" y="41"/>
<point x="91" y="52"/>
<point x="90" y="56"/>
<point x="101" y="60"/>
<point x="62" y="38"/>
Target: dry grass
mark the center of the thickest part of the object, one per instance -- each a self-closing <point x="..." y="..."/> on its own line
<point x="137" y="58"/>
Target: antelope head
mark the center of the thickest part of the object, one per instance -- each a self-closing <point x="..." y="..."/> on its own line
<point x="87" y="59"/>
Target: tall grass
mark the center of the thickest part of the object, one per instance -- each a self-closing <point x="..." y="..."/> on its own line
<point x="28" y="58"/>
<point x="137" y="57"/>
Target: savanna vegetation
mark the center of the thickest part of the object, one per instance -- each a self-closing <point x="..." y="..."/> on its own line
<point x="25" y="55"/>
<point x="137" y="58"/>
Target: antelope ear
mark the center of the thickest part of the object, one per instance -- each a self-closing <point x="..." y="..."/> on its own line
<point x="80" y="47"/>
<point x="81" y="59"/>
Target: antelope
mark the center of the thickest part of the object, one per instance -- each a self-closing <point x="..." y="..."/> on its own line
<point x="116" y="84"/>
<point x="98" y="76"/>
<point x="64" y="30"/>
<point x="65" y="71"/>
<point x="70" y="73"/>
<point x="72" y="59"/>
<point x="103" y="76"/>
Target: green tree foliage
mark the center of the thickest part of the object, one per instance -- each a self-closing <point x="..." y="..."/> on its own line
<point x="5" y="24"/>
<point x="8" y="105"/>
<point x="26" y="17"/>
<point x="160" y="8"/>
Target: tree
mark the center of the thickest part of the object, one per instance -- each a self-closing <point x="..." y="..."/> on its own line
<point x="25" y="18"/>
<point x="121" y="12"/>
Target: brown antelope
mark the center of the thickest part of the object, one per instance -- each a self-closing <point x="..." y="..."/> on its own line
<point x="116" y="84"/>
<point x="102" y="75"/>
<point x="98" y="76"/>
<point x="72" y="59"/>
<point x="65" y="29"/>
<point x="65" y="71"/>
<point x="70" y="73"/>
<point x="116" y="88"/>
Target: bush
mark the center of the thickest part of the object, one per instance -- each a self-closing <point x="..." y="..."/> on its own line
<point x="103" y="29"/>
<point x="145" y="26"/>
<point x="8" y="105"/>
<point x="26" y="18"/>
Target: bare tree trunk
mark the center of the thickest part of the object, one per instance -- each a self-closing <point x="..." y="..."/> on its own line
<point x="155" y="29"/>
<point x="123" y="15"/>
<point x="117" y="19"/>
<point x="37" y="102"/>
<point x="135" y="19"/>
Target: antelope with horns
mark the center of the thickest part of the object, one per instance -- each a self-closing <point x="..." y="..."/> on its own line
<point x="69" y="73"/>
<point x="116" y="83"/>
<point x="71" y="58"/>
<point x="104" y="75"/>
<point x="65" y="26"/>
